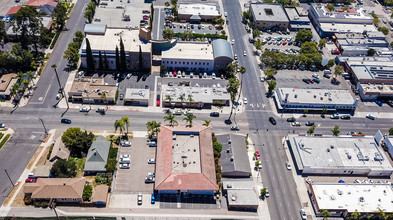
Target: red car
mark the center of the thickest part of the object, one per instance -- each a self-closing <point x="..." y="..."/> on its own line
<point x="283" y="43"/>
<point x="174" y="73"/>
<point x="337" y="52"/>
<point x="158" y="100"/>
<point x="145" y="18"/>
<point x="145" y="11"/>
<point x="29" y="180"/>
<point x="126" y="19"/>
<point x="258" y="155"/>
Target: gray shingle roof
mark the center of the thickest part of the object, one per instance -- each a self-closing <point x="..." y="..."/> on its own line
<point x="97" y="155"/>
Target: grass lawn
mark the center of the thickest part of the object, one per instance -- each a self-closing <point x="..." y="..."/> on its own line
<point x="80" y="164"/>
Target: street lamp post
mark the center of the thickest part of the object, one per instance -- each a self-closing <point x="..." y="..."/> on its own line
<point x="61" y="88"/>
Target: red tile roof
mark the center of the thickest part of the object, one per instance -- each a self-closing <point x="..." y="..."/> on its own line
<point x="166" y="180"/>
<point x="42" y="3"/>
<point x="13" y="10"/>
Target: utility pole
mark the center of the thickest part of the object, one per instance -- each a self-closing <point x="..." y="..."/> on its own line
<point x="42" y="121"/>
<point x="61" y="88"/>
<point x="9" y="177"/>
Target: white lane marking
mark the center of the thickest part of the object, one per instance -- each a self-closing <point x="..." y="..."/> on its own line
<point x="46" y="93"/>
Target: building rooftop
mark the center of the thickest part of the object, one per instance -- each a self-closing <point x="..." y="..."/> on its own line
<point x="92" y="88"/>
<point x="231" y="183"/>
<point x="316" y="96"/>
<point x="208" y="9"/>
<point x="6" y="82"/>
<point x="95" y="28"/>
<point x="47" y="188"/>
<point x="140" y="94"/>
<point x="363" y="42"/>
<point x="222" y="48"/>
<point x="186" y="163"/>
<point x="293" y="15"/>
<point x="13" y="10"/>
<point x="345" y="28"/>
<point x="234" y="155"/>
<point x="42" y="171"/>
<point x="373" y="71"/>
<point x="42" y="3"/>
<point x="195" y="51"/>
<point x="377" y="89"/>
<point x="97" y="155"/>
<point x="198" y="94"/>
<point x="268" y="12"/>
<point x="344" y="152"/>
<point x="111" y="39"/>
<point x="353" y="197"/>
<point x="100" y="193"/>
<point x="351" y="14"/>
<point x="59" y="151"/>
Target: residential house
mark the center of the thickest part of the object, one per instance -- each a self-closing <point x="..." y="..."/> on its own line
<point x="97" y="156"/>
<point x="59" y="151"/>
<point x="6" y="83"/>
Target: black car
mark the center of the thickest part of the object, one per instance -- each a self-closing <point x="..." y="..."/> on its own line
<point x="345" y="117"/>
<point x="390" y="103"/>
<point x="306" y="81"/>
<point x="309" y="123"/>
<point x="272" y="120"/>
<point x="235" y="128"/>
<point x="214" y="114"/>
<point x="291" y="119"/>
<point x="65" y="121"/>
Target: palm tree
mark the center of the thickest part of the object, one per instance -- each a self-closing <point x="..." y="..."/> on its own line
<point x="126" y="122"/>
<point x="119" y="124"/>
<point x="181" y="98"/>
<point x="242" y="71"/>
<point x="189" y="117"/>
<point x="171" y="118"/>
<point x="169" y="99"/>
<point x="31" y="75"/>
<point x="190" y="100"/>
<point x="206" y="123"/>
<point x="153" y="127"/>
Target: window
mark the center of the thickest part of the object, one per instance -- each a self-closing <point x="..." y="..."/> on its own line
<point x="192" y="63"/>
<point x="171" y="62"/>
<point x="199" y="63"/>
<point x="188" y="62"/>
<point x="184" y="62"/>
<point x="175" y="62"/>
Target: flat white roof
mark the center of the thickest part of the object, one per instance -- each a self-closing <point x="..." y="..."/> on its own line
<point x="137" y="94"/>
<point x="351" y="13"/>
<point x="268" y="12"/>
<point x="344" y="152"/>
<point x="352" y="196"/>
<point x="194" y="51"/>
<point x="186" y="154"/>
<point x="346" y="28"/>
<point x="315" y="96"/>
<point x="198" y="9"/>
<point x="198" y="94"/>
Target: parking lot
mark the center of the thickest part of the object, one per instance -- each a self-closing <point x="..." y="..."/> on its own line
<point x="112" y="13"/>
<point x="133" y="180"/>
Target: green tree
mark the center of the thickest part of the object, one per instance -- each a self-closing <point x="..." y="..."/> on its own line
<point x="78" y="38"/>
<point x="336" y="130"/>
<point x="117" y="59"/>
<point x="330" y="63"/>
<point x="324" y="111"/>
<point x="231" y="70"/>
<point x="90" y="11"/>
<point x="126" y="122"/>
<point x="3" y="34"/>
<point x="271" y="85"/>
<point x="71" y="54"/>
<point x="168" y="33"/>
<point x="270" y="72"/>
<point x="325" y="213"/>
<point x="338" y="70"/>
<point x="169" y="99"/>
<point x="89" y="56"/>
<point x="59" y="16"/>
<point x="258" y="44"/>
<point x="153" y="127"/>
<point x="220" y="21"/>
<point x="322" y="43"/>
<point x="247" y="15"/>
<point x="190" y="100"/>
<point x="78" y="141"/>
<point x="87" y="192"/>
<point x="111" y="165"/>
<point x="376" y="19"/>
<point x="63" y="169"/>
<point x="355" y="215"/>
<point x="189" y="118"/>
<point x="123" y="62"/>
<point x="256" y="33"/>
<point x="391" y="131"/>
<point x="182" y="99"/>
<point x="171" y="118"/>
<point x="206" y="123"/>
<point x="217" y="147"/>
<point x="232" y="87"/>
<point x="309" y="47"/>
<point x="242" y="71"/>
<point x="119" y="124"/>
<point x="100" y="61"/>
<point x="371" y="52"/>
<point x="303" y="36"/>
<point x="345" y="7"/>
<point x="263" y="192"/>
<point x="311" y="130"/>
<point x="330" y="7"/>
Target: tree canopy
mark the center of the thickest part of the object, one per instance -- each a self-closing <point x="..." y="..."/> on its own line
<point x="63" y="169"/>
<point x="78" y="141"/>
<point x="303" y="36"/>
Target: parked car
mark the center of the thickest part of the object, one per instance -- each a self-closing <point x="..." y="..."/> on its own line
<point x="296" y="124"/>
<point x="139" y="199"/>
<point x="84" y="109"/>
<point x="214" y="114"/>
<point x="153" y="199"/>
<point x="258" y="156"/>
<point x="288" y="166"/>
<point x="124" y="156"/>
<point x="336" y="52"/>
<point x="2" y="125"/>
<point x="146" y="11"/>
<point x="306" y="80"/>
<point x="178" y="112"/>
<point x="58" y="96"/>
<point x="267" y="192"/>
<point x="390" y="103"/>
<point x="335" y="116"/>
<point x="235" y="128"/>
<point x="124" y="166"/>
<point x="370" y="116"/>
<point x="100" y="109"/>
<point x="125" y="144"/>
<point x="124" y="160"/>
<point x="152" y="144"/>
<point x="292" y="119"/>
<point x="345" y="117"/>
<point x="309" y="123"/>
<point x="151" y="161"/>
<point x="150" y="179"/>
<point x="303" y="214"/>
<point x="158" y="100"/>
<point x="31" y="180"/>
<point x="272" y="120"/>
<point x="65" y="121"/>
<point x="245" y="100"/>
<point x="378" y="102"/>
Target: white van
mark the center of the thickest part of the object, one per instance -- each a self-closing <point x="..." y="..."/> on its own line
<point x="124" y="160"/>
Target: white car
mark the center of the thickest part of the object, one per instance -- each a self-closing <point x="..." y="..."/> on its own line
<point x="124" y="160"/>
<point x="204" y="75"/>
<point x="124" y="156"/>
<point x="267" y="192"/>
<point x="225" y="14"/>
<point x="140" y="199"/>
<point x="2" y="125"/>
<point x="130" y="74"/>
<point x="84" y="109"/>
<point x="303" y="214"/>
<point x="233" y="41"/>
<point x="213" y="75"/>
<point x="315" y="75"/>
<point x="370" y="116"/>
<point x="244" y="53"/>
<point x="151" y="161"/>
<point x="296" y="123"/>
<point x="125" y="144"/>
<point x="288" y="166"/>
<point x="262" y="79"/>
<point x="335" y="116"/>
<point x="235" y="57"/>
<point x="245" y="100"/>
<point x="191" y="75"/>
<point x="124" y="166"/>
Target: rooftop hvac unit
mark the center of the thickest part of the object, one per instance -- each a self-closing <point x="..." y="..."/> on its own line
<point x="191" y="135"/>
<point x="231" y="158"/>
<point x="233" y="198"/>
<point x="361" y="199"/>
<point x="229" y="186"/>
<point x="228" y="150"/>
<point x="184" y="156"/>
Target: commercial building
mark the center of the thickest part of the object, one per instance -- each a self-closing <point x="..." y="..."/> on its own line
<point x="388" y="144"/>
<point x="342" y="199"/>
<point x="234" y="159"/>
<point x="327" y="23"/>
<point x="343" y="155"/>
<point x="59" y="190"/>
<point x="185" y="161"/>
<point x="107" y="42"/>
<point x="201" y="97"/>
<point x="269" y="16"/>
<point x="359" y="44"/>
<point x="195" y="12"/>
<point x="92" y="90"/>
<point x="198" y="57"/>
<point x="137" y="97"/>
<point x="97" y="156"/>
<point x="240" y="194"/>
<point x="298" y="100"/>
<point x="6" y="83"/>
<point x="297" y="21"/>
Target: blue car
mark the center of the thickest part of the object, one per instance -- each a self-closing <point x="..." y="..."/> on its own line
<point x="378" y="102"/>
<point x="153" y="199"/>
<point x="65" y="121"/>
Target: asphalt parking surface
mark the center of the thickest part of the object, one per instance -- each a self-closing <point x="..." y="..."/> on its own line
<point x="133" y="180"/>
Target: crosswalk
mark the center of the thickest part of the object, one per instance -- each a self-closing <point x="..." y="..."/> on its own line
<point x="256" y="105"/>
